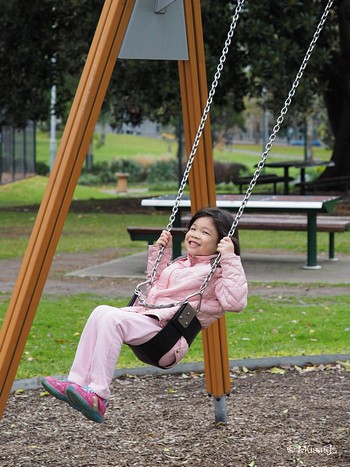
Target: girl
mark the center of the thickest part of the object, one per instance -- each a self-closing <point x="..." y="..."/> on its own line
<point x="87" y="387"/>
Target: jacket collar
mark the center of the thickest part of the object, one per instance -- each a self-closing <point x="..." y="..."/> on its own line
<point x="200" y="259"/>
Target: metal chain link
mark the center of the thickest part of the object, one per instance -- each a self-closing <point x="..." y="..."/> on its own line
<point x="195" y="145"/>
<point x="260" y="165"/>
<point x="272" y="137"/>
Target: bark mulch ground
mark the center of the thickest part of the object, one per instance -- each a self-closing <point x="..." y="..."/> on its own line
<point x="298" y="418"/>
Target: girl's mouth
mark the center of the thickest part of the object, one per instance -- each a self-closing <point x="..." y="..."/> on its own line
<point x="193" y="244"/>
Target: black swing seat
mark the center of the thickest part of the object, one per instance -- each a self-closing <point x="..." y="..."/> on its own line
<point x="184" y="323"/>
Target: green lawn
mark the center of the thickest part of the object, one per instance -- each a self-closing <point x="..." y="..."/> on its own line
<point x="80" y="228"/>
<point x="146" y="150"/>
<point x="117" y="146"/>
<point x="286" y="325"/>
<point x="79" y="234"/>
<point x="267" y="327"/>
<point x="31" y="190"/>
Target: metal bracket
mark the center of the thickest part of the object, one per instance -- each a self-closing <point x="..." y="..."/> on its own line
<point x="164" y="38"/>
<point x="161" y="6"/>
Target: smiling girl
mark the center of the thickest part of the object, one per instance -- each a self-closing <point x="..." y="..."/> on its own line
<point x="87" y="386"/>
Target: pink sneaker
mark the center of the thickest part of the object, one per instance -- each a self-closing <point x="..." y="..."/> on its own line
<point x="87" y="402"/>
<point x="56" y="387"/>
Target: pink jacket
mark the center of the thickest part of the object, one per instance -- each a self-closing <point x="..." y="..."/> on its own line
<point x="226" y="291"/>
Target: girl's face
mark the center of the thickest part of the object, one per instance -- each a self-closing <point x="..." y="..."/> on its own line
<point x="202" y="238"/>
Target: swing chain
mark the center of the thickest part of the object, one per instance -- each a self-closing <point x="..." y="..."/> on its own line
<point x="198" y="136"/>
<point x="272" y="138"/>
<point x="260" y="165"/>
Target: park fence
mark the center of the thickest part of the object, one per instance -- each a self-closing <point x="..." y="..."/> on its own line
<point x="17" y="152"/>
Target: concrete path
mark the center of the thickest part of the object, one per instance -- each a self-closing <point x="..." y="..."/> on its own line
<point x="258" y="268"/>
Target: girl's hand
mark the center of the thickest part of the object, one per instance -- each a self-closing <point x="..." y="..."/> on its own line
<point x="226" y="246"/>
<point x="165" y="239"/>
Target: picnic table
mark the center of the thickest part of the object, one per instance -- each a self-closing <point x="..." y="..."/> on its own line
<point x="310" y="206"/>
<point x="300" y="164"/>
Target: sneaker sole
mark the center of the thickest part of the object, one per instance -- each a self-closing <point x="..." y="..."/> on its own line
<point x="76" y="401"/>
<point x="53" y="391"/>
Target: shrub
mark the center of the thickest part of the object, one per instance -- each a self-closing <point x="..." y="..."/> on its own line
<point x="41" y="168"/>
<point x="135" y="170"/>
<point x="226" y="172"/>
<point x="89" y="179"/>
<point x="99" y="174"/>
<point x="162" y="171"/>
<point x="103" y="173"/>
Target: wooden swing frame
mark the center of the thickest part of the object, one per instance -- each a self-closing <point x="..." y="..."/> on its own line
<point x="69" y="160"/>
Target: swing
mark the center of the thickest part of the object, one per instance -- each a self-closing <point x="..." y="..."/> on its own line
<point x="185" y="323"/>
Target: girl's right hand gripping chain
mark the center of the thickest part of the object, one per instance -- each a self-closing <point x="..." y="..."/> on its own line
<point x="165" y="239"/>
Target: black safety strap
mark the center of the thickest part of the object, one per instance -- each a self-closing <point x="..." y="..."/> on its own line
<point x="184" y="323"/>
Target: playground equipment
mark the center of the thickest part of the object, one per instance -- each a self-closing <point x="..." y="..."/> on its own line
<point x="115" y="24"/>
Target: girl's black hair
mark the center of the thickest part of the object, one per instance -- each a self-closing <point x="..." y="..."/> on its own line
<point x="222" y="221"/>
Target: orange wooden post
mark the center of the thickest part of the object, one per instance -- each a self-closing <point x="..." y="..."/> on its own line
<point x="194" y="94"/>
<point x="59" y="192"/>
<point x="77" y="135"/>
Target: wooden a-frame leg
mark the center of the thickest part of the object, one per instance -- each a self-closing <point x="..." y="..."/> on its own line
<point x="57" y="198"/>
<point x="202" y="190"/>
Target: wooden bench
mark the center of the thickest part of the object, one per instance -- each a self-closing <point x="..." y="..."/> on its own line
<point x="270" y="179"/>
<point x="283" y="222"/>
<point x="336" y="183"/>
<point x="151" y="234"/>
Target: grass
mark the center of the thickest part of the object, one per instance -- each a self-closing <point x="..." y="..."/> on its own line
<point x="146" y="150"/>
<point x="79" y="234"/>
<point x="117" y="146"/>
<point x="289" y="326"/>
<point x="30" y="191"/>
<point x="268" y="327"/>
<point x="79" y="231"/>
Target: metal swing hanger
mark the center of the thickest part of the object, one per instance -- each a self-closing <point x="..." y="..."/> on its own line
<point x="260" y="165"/>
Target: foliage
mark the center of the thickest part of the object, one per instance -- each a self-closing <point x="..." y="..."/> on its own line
<point x="92" y="179"/>
<point x="99" y="174"/>
<point x="135" y="170"/>
<point x="266" y="35"/>
<point x="36" y="54"/>
<point x="226" y="172"/>
<point x="42" y="43"/>
<point x="277" y="43"/>
<point x="141" y="88"/>
<point x="41" y="168"/>
<point x="104" y="172"/>
<point x="163" y="171"/>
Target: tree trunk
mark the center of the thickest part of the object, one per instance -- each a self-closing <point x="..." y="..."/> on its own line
<point x="337" y="97"/>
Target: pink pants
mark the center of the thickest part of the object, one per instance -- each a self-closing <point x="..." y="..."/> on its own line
<point x="98" y="351"/>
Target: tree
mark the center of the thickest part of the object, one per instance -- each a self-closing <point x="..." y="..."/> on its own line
<point x="276" y="44"/>
<point x="337" y="96"/>
<point x="141" y="88"/>
<point x="42" y="42"/>
<point x="267" y="49"/>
